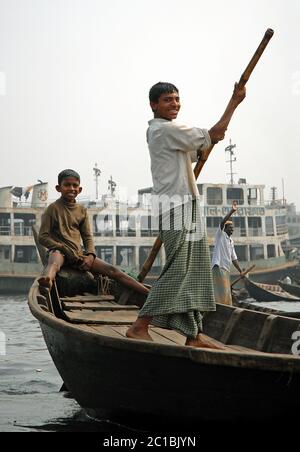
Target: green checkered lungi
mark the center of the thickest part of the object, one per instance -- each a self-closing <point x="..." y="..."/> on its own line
<point x="184" y="289"/>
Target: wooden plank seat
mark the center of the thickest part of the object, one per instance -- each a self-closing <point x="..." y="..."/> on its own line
<point x="97" y="309"/>
<point x="89" y="297"/>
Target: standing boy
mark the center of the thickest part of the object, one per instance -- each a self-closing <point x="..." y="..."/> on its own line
<point x="184" y="289"/>
<point x="224" y="254"/>
<point x="64" y="226"/>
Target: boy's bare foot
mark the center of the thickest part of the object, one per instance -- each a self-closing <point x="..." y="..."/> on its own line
<point x="45" y="281"/>
<point x="138" y="333"/>
<point x="202" y="342"/>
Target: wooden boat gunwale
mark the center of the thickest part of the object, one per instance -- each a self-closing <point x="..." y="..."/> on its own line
<point x="235" y="358"/>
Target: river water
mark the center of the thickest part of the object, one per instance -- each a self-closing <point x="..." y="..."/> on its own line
<point x="30" y="400"/>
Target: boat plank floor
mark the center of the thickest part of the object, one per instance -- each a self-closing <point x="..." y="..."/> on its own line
<point x="170" y="337"/>
<point x="158" y="338"/>
<point x="161" y="336"/>
<point x="105" y="330"/>
<point x="170" y="334"/>
<point x="97" y="306"/>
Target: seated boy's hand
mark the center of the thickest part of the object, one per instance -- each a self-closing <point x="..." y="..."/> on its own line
<point x="87" y="262"/>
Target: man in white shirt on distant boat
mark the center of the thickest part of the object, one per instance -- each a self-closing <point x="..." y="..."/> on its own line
<point x="223" y="256"/>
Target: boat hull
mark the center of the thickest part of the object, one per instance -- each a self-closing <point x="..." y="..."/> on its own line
<point x="262" y="292"/>
<point x="113" y="381"/>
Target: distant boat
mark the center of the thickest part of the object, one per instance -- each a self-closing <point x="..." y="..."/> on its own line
<point x="270" y="309"/>
<point x="293" y="289"/>
<point x="268" y="292"/>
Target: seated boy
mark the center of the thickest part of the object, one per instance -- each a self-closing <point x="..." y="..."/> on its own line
<point x="64" y="225"/>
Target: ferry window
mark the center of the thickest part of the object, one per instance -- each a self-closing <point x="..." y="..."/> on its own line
<point x="235" y="194"/>
<point x="26" y="254"/>
<point x="280" y="219"/>
<point x="125" y="256"/>
<point x="125" y="225"/>
<point x="252" y="193"/>
<point x="269" y="226"/>
<point x="214" y="196"/>
<point x="23" y="223"/>
<point x="4" y="224"/>
<point x="281" y="225"/>
<point x="239" y="224"/>
<point x="105" y="253"/>
<point x="5" y="253"/>
<point x="253" y="196"/>
<point x="254" y="226"/>
<point x="213" y="222"/>
<point x="103" y="225"/>
<point x="241" y="252"/>
<point x="32" y="254"/>
<point x="254" y="222"/>
<point x="144" y="221"/>
<point x="144" y="252"/>
<point x="149" y="226"/>
<point x="256" y="252"/>
<point x="271" y="251"/>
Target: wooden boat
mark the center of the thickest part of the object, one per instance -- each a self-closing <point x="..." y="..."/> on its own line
<point x="256" y="376"/>
<point x="293" y="289"/>
<point x="268" y="292"/>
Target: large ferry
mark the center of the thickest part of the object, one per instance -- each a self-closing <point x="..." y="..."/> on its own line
<point x="124" y="234"/>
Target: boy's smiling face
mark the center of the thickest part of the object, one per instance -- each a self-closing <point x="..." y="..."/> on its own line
<point x="167" y="107"/>
<point x="69" y="188"/>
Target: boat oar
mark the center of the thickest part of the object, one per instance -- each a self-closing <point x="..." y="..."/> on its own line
<point x="243" y="80"/>
<point x="242" y="275"/>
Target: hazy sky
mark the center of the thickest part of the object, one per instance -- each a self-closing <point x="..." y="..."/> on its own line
<point x="75" y="76"/>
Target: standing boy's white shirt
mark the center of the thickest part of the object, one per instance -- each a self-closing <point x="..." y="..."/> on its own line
<point x="168" y="144"/>
<point x="224" y="252"/>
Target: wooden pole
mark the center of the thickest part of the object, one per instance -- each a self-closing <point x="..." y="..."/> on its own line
<point x="242" y="275"/>
<point x="242" y="82"/>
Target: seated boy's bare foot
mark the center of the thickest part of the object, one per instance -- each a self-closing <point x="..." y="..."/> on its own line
<point x="202" y="342"/>
<point x="45" y="281"/>
<point x="138" y="333"/>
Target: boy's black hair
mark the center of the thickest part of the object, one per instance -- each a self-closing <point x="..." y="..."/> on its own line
<point x="161" y="88"/>
<point x="67" y="173"/>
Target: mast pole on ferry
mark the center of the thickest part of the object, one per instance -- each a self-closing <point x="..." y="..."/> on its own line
<point x="231" y="160"/>
<point x="97" y="173"/>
